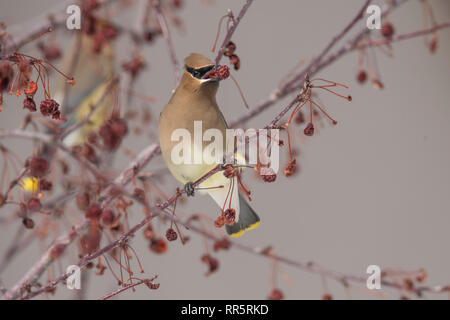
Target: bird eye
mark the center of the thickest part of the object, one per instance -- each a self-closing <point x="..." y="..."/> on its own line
<point x="199" y="73"/>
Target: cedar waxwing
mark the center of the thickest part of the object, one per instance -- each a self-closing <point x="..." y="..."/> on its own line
<point x="195" y="100"/>
<point x="92" y="73"/>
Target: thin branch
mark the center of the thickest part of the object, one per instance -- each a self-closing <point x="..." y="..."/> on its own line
<point x="148" y="282"/>
<point x="406" y="36"/>
<point x="167" y="38"/>
<point x="231" y="29"/>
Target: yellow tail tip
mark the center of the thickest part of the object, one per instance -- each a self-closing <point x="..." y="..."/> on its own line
<point x="29" y="184"/>
<point x="241" y="232"/>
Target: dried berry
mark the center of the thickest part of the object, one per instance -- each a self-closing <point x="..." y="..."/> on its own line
<point x="158" y="245"/>
<point x="327" y="296"/>
<point x="377" y="84"/>
<point x="290" y="168"/>
<point x="90" y="242"/>
<point x="48" y="107"/>
<point x="177" y="3"/>
<point x="148" y="232"/>
<point x="32" y="88"/>
<point x="51" y="52"/>
<point x="29" y="104"/>
<point x="229" y="49"/>
<point x="94" y="211"/>
<point x="275" y="294"/>
<point x="38" y="167"/>
<point x="34" y="205"/>
<point x="222" y="72"/>
<point x="211" y="262"/>
<point x="269" y="177"/>
<point x="235" y="61"/>
<point x="56" y="115"/>
<point x="28" y="223"/>
<point x="57" y="250"/>
<point x="108" y="217"/>
<point x="45" y="185"/>
<point x="309" y="130"/>
<point x="134" y="66"/>
<point x="361" y="77"/>
<point x="422" y="276"/>
<point x="6" y="74"/>
<point x="171" y="235"/>
<point x="112" y="133"/>
<point x="219" y="222"/>
<point x="299" y="118"/>
<point x="229" y="216"/>
<point x="223" y="244"/>
<point x="433" y="43"/>
<point x="387" y="30"/>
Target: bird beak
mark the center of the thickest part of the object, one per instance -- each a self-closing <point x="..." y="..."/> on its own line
<point x="210" y="80"/>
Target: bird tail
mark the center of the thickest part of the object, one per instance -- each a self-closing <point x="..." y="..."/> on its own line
<point x="247" y="220"/>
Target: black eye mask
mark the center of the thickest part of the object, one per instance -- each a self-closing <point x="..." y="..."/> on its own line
<point x="200" y="72"/>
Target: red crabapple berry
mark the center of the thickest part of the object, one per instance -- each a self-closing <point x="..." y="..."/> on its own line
<point x="269" y="176"/>
<point x="45" y="185"/>
<point x="171" y="235"/>
<point x="222" y="72"/>
<point x="38" y="167"/>
<point x="28" y="223"/>
<point x="107" y="217"/>
<point x="6" y="74"/>
<point x="29" y="104"/>
<point x="211" y="262"/>
<point x="93" y="212"/>
<point x="229" y="216"/>
<point x="158" y="245"/>
<point x="309" y="130"/>
<point x="290" y="168"/>
<point x="48" y="107"/>
<point x="361" y="77"/>
<point x="327" y="296"/>
<point x="34" y="205"/>
<point x="235" y="61"/>
<point x="387" y="30"/>
<point x="229" y="49"/>
<point x="219" y="222"/>
<point x="275" y="294"/>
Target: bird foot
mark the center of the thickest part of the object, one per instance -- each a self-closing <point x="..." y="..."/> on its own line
<point x="189" y="189"/>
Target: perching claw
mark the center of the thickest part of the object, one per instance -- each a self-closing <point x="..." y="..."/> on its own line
<point x="189" y="189"/>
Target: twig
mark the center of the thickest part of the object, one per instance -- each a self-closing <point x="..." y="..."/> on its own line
<point x="406" y="36"/>
<point x="167" y="38"/>
<point x="114" y="293"/>
<point x="231" y="29"/>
